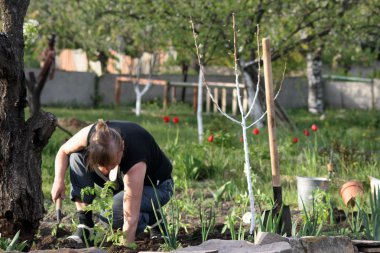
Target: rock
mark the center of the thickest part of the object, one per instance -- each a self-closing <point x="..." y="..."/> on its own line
<point x="65" y="250"/>
<point x="233" y="246"/>
<point x="321" y="244"/>
<point x="267" y="238"/>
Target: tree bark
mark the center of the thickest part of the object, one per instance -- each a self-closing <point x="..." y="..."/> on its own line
<point x="315" y="84"/>
<point x="21" y="141"/>
<point x="34" y="86"/>
<point x="185" y="71"/>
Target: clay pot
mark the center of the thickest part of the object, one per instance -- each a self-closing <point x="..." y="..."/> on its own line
<point x="350" y="190"/>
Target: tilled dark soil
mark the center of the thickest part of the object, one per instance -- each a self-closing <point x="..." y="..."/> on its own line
<point x="45" y="240"/>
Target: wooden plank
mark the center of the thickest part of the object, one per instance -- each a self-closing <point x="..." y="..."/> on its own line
<point x="208" y="102"/>
<point x="234" y="101"/>
<point x="245" y="101"/>
<point x="369" y="249"/>
<point x="166" y="94"/>
<point x="195" y="99"/>
<point x="216" y="98"/>
<point x="117" y="92"/>
<point x="224" y="99"/>
<point x="210" y="84"/>
<point x="365" y="243"/>
<point x="142" y="81"/>
<point x="174" y="95"/>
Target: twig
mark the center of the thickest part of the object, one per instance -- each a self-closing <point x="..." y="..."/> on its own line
<point x="64" y="130"/>
<point x="201" y="69"/>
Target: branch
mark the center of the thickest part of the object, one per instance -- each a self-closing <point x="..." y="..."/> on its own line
<point x="258" y="73"/>
<point x="275" y="98"/>
<point x="204" y="79"/>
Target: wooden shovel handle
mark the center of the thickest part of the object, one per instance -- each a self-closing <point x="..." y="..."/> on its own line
<point x="58" y="203"/>
<point x="270" y="113"/>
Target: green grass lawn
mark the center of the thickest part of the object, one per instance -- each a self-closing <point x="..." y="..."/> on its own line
<point x="350" y="138"/>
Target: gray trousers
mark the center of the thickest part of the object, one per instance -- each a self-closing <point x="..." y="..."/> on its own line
<point x="81" y="177"/>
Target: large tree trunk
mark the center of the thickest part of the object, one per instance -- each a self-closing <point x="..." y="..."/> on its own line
<point x="35" y="86"/>
<point x="315" y="85"/>
<point x="21" y="142"/>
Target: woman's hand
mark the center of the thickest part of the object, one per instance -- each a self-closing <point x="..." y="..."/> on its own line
<point x="58" y="190"/>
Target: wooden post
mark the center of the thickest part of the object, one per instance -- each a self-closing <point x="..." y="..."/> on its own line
<point x="174" y="93"/>
<point x="224" y="99"/>
<point x="216" y="98"/>
<point x="117" y="91"/>
<point x="208" y="102"/>
<point x="245" y="101"/>
<point x="234" y="102"/>
<point x="271" y="113"/>
<point x="166" y="94"/>
<point x="195" y="99"/>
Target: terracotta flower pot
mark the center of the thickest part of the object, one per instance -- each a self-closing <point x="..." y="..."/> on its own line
<point x="350" y="190"/>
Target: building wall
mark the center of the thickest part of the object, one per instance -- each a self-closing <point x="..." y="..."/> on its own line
<point x="77" y="88"/>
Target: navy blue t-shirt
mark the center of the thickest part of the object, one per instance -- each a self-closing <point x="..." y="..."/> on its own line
<point x="140" y="146"/>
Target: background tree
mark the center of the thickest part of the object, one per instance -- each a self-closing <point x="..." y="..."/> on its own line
<point x="21" y="139"/>
<point x="295" y="28"/>
<point x="355" y="41"/>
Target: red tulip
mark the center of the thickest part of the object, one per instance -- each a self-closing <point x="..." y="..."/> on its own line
<point x="314" y="127"/>
<point x="175" y="120"/>
<point x="306" y="132"/>
<point x="241" y="139"/>
<point x="256" y="131"/>
<point x="295" y="140"/>
<point x="210" y="138"/>
<point x="166" y="119"/>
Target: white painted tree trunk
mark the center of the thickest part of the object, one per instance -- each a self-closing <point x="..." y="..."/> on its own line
<point x="242" y="123"/>
<point x="315" y="85"/>
<point x="247" y="164"/>
<point x="141" y="93"/>
<point x="199" y="107"/>
<point x="138" y="101"/>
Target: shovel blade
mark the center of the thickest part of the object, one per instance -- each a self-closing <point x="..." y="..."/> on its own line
<point x="283" y="210"/>
<point x="285" y="224"/>
<point x="59" y="215"/>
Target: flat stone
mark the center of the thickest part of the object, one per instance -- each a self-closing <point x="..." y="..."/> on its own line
<point x="321" y="244"/>
<point x="234" y="246"/>
<point x="267" y="238"/>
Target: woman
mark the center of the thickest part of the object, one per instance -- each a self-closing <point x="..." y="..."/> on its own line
<point x="124" y="149"/>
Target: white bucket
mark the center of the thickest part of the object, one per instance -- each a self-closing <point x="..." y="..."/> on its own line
<point x="305" y="188"/>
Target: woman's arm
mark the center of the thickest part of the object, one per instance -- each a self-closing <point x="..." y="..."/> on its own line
<point x="133" y="188"/>
<point x="75" y="143"/>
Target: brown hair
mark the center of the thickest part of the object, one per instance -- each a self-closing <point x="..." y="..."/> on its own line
<point x="102" y="145"/>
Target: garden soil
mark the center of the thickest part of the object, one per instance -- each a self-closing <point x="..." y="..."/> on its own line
<point x="47" y="240"/>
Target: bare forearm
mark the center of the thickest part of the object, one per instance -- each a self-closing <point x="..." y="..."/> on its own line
<point x="130" y="219"/>
<point x="61" y="163"/>
<point x="133" y="188"/>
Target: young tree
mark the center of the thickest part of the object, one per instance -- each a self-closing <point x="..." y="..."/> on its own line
<point x="21" y="140"/>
